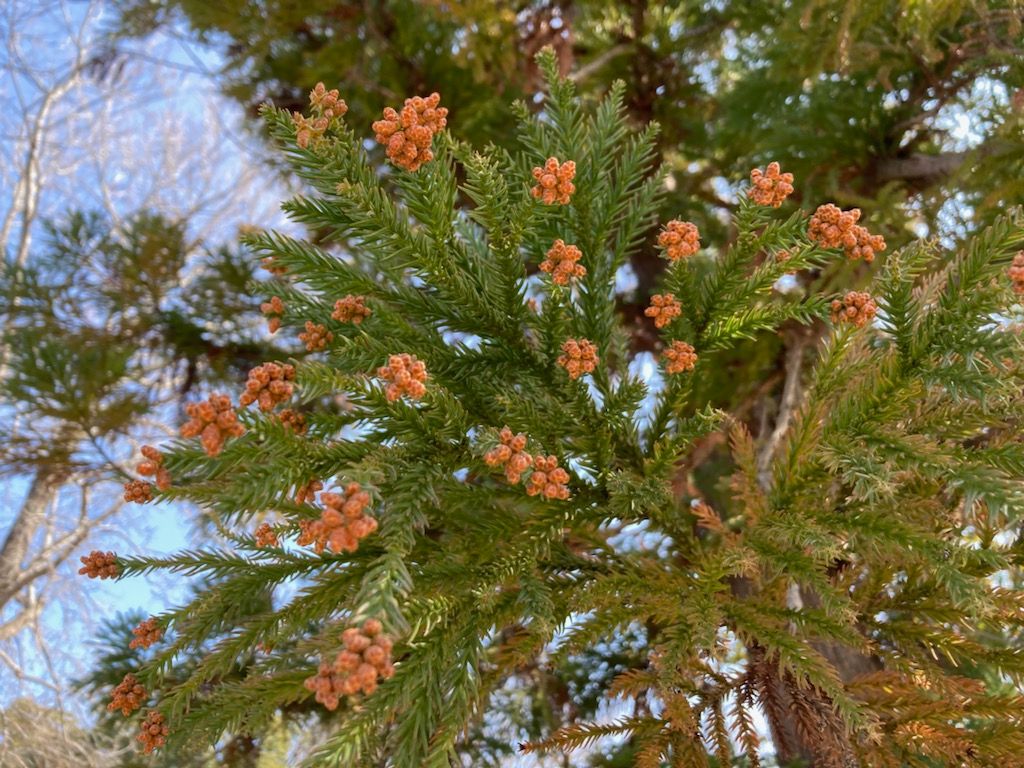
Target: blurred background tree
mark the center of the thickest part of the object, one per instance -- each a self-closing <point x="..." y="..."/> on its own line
<point x="117" y="300"/>
<point x="107" y="330"/>
<point x="37" y="736"/>
<point x="913" y="111"/>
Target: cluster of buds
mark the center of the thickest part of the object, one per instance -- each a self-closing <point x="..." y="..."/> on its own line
<point x="351" y="309"/>
<point x="510" y="453"/>
<point x="101" y="565"/>
<point x="293" y="421"/>
<point x="664" y="309"/>
<point x="407" y="135"/>
<point x="357" y="669"/>
<point x="679" y="239"/>
<point x="213" y="421"/>
<point x="343" y="522"/>
<point x="326" y="107"/>
<point x="771" y="186"/>
<point x="867" y="245"/>
<point x="269" y="263"/>
<point x="308" y="128"/>
<point x="1016" y="272"/>
<point x="269" y="385"/>
<point x="405" y="376"/>
<point x="146" y="634"/>
<point x="129" y="695"/>
<point x="554" y="182"/>
<point x="579" y="356"/>
<point x="316" y="336"/>
<point x="561" y="263"/>
<point x="154" y="467"/>
<point x="265" y="536"/>
<point x="831" y="227"/>
<point x="781" y="257"/>
<point x="153" y="731"/>
<point x="681" y="357"/>
<point x="548" y="479"/>
<point x="138" y="492"/>
<point x="856" y="307"/>
<point x="307" y="492"/>
<point x="326" y="103"/>
<point x="274" y="310"/>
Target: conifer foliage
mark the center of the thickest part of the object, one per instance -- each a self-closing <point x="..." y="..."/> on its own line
<point x="487" y="452"/>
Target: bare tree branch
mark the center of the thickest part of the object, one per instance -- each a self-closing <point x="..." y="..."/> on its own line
<point x="927" y="168"/>
<point x="791" y="396"/>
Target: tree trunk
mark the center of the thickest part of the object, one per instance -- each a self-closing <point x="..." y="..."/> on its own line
<point x="805" y="729"/>
<point x="827" y="745"/>
<point x="27" y="522"/>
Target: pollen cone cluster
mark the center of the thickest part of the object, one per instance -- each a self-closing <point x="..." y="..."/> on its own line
<point x="316" y="336"/>
<point x="831" y="227"/>
<point x="579" y="356"/>
<point x="325" y="107"/>
<point x="274" y="310"/>
<point x="307" y="492"/>
<point x="343" y="521"/>
<point x="146" y="634"/>
<point x="153" y="731"/>
<point x="138" y="492"/>
<point x="407" y="135"/>
<point x="128" y="696"/>
<point x="679" y="239"/>
<point x="554" y="182"/>
<point x="664" y="309"/>
<point x="293" y="421"/>
<point x="213" y="422"/>
<point x="510" y="454"/>
<point x="351" y="309"/>
<point x="547" y="479"/>
<point x="405" y="375"/>
<point x="99" y="565"/>
<point x="680" y="357"/>
<point x="770" y="187"/>
<point x="365" y="661"/>
<point x="561" y="263"/>
<point x="855" y="307"/>
<point x="265" y="536"/>
<point x="269" y="385"/>
<point x="154" y="467"/>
